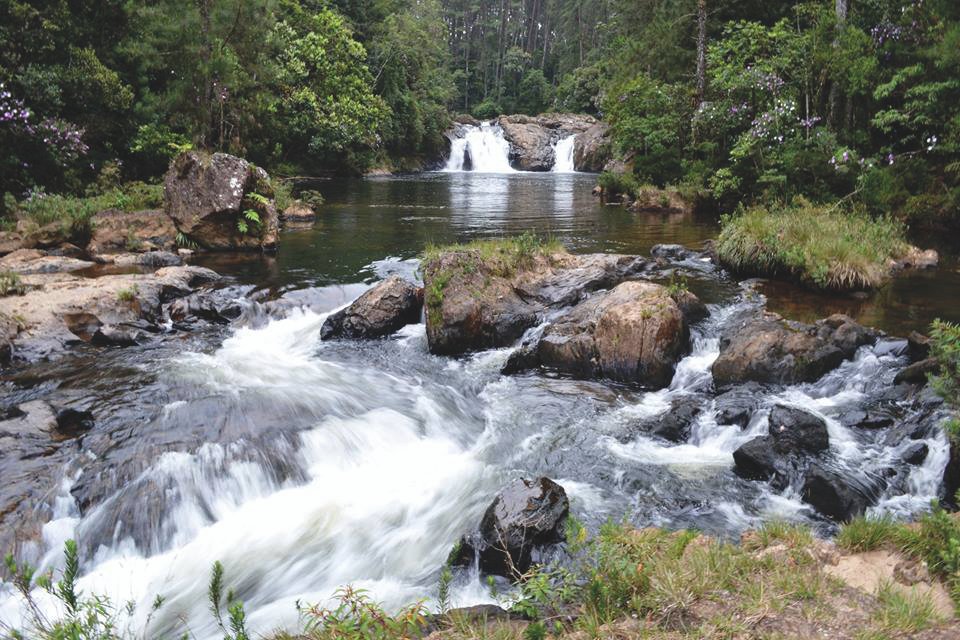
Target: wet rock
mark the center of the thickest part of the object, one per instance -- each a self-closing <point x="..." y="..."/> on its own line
<point x="918" y="346"/>
<point x="737" y="406"/>
<point x="73" y="422"/>
<point x="917" y="372"/>
<point x="30" y="419"/>
<point x="674" y="425"/>
<point x="381" y="311"/>
<point x="203" y="306"/>
<point x="206" y="196"/>
<point x="634" y="333"/>
<point x="532" y="138"/>
<point x="793" y="435"/>
<point x="116" y="231"/>
<point x="797" y="431"/>
<point x="591" y="149"/>
<point x="115" y="336"/>
<point x="692" y="309"/>
<point x="770" y="350"/>
<point x="525" y="517"/>
<point x="298" y="212"/>
<point x="951" y="476"/>
<point x="839" y="496"/>
<point x="68" y="250"/>
<point x="915" y="453"/>
<point x="472" y="305"/>
<point x="916" y="258"/>
<point x="672" y="252"/>
<point x="152" y="259"/>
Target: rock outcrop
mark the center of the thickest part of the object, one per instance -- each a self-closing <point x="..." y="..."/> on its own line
<point x="208" y="198"/>
<point x="791" y="434"/>
<point x="525" y="517"/>
<point x="634" y="333"/>
<point x="591" y="149"/>
<point x="532" y="138"/>
<point x="381" y="311"/>
<point x="117" y="231"/>
<point x="769" y="349"/>
<point x="473" y="302"/>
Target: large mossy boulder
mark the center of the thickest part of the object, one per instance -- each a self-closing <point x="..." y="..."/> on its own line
<point x="768" y="349"/>
<point x="221" y="202"/>
<point x="378" y="312"/>
<point x="487" y="294"/>
<point x="634" y="333"/>
<point x="591" y="149"/>
<point x="525" y="517"/>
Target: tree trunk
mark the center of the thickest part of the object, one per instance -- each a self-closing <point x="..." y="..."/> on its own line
<point x="701" y="51"/>
<point x="841" y="8"/>
<point x="206" y="88"/>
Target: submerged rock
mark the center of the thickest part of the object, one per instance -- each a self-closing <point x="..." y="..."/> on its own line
<point x="208" y="197"/>
<point x="771" y="350"/>
<point x="381" y="311"/>
<point x="524" y="518"/>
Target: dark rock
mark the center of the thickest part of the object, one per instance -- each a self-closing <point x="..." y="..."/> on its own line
<point x="591" y="149"/>
<point x="771" y="350"/>
<point x="110" y="335"/>
<point x="525" y="517"/>
<point x="674" y="425"/>
<point x="951" y="476"/>
<point x="917" y="372"/>
<point x="74" y="422"/>
<point x="691" y="307"/>
<point x="207" y="195"/>
<point x="838" y="496"/>
<point x="797" y="431"/>
<point x="918" y="346"/>
<point x="116" y="231"/>
<point x="757" y="459"/>
<point x="203" y="306"/>
<point x="381" y="311"/>
<point x="738" y="405"/>
<point x="673" y="252"/>
<point x="915" y="453"/>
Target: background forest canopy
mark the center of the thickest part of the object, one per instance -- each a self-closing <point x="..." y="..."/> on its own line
<point x="737" y="99"/>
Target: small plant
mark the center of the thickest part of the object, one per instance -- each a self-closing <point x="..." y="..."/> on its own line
<point x="184" y="242"/>
<point x="443" y="590"/>
<point x="311" y="198"/>
<point x="903" y="611"/>
<point x="128" y="294"/>
<point x="248" y="220"/>
<point x="677" y="286"/>
<point x="11" y="284"/>
<point x="235" y="627"/>
<point x="357" y="617"/>
<point x="867" y="533"/>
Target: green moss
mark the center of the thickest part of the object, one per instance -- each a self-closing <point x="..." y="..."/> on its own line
<point x="820" y="247"/>
<point x="500" y="256"/>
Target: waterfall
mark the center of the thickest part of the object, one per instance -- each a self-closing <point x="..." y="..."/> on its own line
<point x="481" y="149"/>
<point x="563" y="151"/>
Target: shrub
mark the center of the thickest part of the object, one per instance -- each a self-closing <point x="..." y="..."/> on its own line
<point x="616" y="184"/>
<point x="487" y="110"/>
<point x="10" y="284"/>
<point x="824" y="248"/>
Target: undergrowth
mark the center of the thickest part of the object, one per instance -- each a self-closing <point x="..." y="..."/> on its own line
<point x="825" y="248"/>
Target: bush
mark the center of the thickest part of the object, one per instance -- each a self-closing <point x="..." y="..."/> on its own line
<point x="824" y="248"/>
<point x="616" y="184"/>
<point x="10" y="284"/>
<point x="487" y="110"/>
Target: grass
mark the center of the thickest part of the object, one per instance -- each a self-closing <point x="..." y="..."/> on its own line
<point x="865" y="533"/>
<point x="497" y="257"/>
<point x="127" y="294"/>
<point x="74" y="214"/>
<point x="820" y="247"/>
<point x="10" y="284"/>
<point x="901" y="611"/>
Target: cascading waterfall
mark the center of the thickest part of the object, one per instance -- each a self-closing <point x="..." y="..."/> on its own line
<point x="483" y="148"/>
<point x="563" y="152"/>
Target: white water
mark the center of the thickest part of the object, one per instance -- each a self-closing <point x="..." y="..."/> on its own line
<point x="489" y="152"/>
<point x="563" y="152"/>
<point x="398" y="462"/>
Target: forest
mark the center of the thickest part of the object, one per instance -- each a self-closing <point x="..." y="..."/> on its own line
<point x="737" y="99"/>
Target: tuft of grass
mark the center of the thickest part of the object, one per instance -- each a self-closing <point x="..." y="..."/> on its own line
<point x="903" y="611"/>
<point x="498" y="256"/>
<point x="11" y="284"/>
<point x="127" y="294"/>
<point x="820" y="247"/>
<point x="865" y="533"/>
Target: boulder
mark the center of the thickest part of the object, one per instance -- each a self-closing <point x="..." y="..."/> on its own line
<point x="737" y="406"/>
<point x="298" y="212"/>
<point x="797" y="431"/>
<point x="112" y="335"/>
<point x="654" y="200"/>
<point x="531" y="145"/>
<point x="473" y="303"/>
<point x="116" y="231"/>
<point x="674" y="425"/>
<point x="208" y="196"/>
<point x="381" y="311"/>
<point x="10" y="241"/>
<point x="917" y="372"/>
<point x="635" y="333"/>
<point x="768" y="349"/>
<point x="792" y="434"/>
<point x="203" y="306"/>
<point x="525" y="517"/>
<point x="49" y="235"/>
<point x="35" y="261"/>
<point x="840" y="496"/>
<point x="915" y="453"/>
<point x="918" y="346"/>
<point x="591" y="149"/>
<point x="692" y="309"/>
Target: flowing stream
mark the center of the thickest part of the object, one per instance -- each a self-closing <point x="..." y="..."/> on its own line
<point x="481" y="149"/>
<point x="305" y="465"/>
<point x="563" y="151"/>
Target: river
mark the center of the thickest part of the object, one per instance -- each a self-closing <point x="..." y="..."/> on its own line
<point x="304" y="466"/>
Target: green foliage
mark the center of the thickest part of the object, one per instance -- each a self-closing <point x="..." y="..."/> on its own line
<point x="945" y="347"/>
<point x="127" y="295"/>
<point x="617" y="184"/>
<point x="867" y="533"/>
<point x="357" y="617"/>
<point x="11" y="284"/>
<point x="936" y="541"/>
<point x="821" y="247"/>
<point x="487" y="110"/>
<point x="905" y="612"/>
